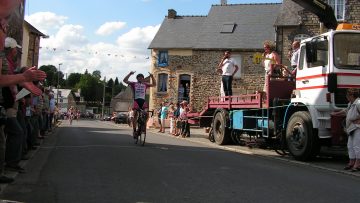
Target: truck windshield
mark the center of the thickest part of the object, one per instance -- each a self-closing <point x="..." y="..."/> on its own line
<point x="347" y="50"/>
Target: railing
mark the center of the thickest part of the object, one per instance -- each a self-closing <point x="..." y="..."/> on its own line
<point x="236" y="102"/>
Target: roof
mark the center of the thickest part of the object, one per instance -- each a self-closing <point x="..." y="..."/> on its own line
<point x="288" y="15"/>
<point x="180" y="32"/>
<point x="63" y="92"/>
<point x="34" y="30"/>
<point x="254" y="24"/>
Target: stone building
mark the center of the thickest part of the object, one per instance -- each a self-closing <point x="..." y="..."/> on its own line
<point x="188" y="49"/>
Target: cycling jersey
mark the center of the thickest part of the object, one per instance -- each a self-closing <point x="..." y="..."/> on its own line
<point x="139" y="90"/>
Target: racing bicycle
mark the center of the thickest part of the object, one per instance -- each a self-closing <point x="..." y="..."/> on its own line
<point x="140" y="132"/>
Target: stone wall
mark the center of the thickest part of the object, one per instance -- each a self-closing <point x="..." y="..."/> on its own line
<point x="352" y="11"/>
<point x="205" y="82"/>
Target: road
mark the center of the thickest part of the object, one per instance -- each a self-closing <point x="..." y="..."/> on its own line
<point x="92" y="161"/>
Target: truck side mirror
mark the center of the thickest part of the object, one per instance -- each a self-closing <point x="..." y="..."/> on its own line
<point x="311" y="52"/>
<point x="332" y="82"/>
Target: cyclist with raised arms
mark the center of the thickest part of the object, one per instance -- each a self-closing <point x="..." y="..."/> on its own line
<point x="139" y="91"/>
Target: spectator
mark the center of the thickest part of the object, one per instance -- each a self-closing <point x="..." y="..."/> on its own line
<point x="352" y="113"/>
<point x="185" y="127"/>
<point x="130" y="116"/>
<point x="159" y="115"/>
<point x="52" y="109"/>
<point x="228" y="67"/>
<point x="187" y="92"/>
<point x="171" y="116"/>
<point x="294" y="56"/>
<point x="163" y="117"/>
<point x="270" y="60"/>
<point x="177" y="119"/>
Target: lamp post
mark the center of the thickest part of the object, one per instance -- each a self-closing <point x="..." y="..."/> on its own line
<point x="103" y="103"/>
<point x="58" y="84"/>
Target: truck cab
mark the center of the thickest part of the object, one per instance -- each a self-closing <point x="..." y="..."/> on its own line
<point x="328" y="65"/>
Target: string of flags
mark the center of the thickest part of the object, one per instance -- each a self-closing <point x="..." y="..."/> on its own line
<point x="95" y="53"/>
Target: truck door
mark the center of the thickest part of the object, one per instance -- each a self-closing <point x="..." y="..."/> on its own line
<point x="311" y="77"/>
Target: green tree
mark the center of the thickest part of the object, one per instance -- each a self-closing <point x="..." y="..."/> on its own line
<point x="116" y="81"/>
<point x="73" y="79"/>
<point x="91" y="88"/>
<point x="97" y="74"/>
<point x="51" y="75"/>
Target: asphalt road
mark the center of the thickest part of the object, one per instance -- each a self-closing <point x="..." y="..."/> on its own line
<point x="93" y="161"/>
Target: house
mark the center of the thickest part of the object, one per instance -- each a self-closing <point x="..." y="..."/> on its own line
<point x="295" y="23"/>
<point x="187" y="49"/>
<point x="122" y="101"/>
<point x="64" y="98"/>
<point x="30" y="45"/>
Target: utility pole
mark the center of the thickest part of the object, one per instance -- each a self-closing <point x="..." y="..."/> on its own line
<point x="103" y="103"/>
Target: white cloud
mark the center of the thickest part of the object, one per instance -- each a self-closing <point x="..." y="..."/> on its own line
<point x="110" y="27"/>
<point x="46" y="21"/>
<point x="138" y="39"/>
<point x="67" y="44"/>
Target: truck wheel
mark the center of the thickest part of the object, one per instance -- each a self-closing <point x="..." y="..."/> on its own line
<point x="221" y="133"/>
<point x="301" y="139"/>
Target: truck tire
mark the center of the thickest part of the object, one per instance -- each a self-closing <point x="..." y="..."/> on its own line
<point x="221" y="132"/>
<point x="302" y="141"/>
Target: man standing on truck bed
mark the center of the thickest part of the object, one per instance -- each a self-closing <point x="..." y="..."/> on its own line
<point x="228" y="67"/>
<point x="294" y="56"/>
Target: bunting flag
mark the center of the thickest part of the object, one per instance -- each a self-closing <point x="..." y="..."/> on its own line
<point x="94" y="53"/>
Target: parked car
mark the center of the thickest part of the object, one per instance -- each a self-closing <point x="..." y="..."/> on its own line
<point x="106" y="118"/>
<point x="121" y="117"/>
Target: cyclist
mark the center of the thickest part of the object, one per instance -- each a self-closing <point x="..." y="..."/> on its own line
<point x="139" y="91"/>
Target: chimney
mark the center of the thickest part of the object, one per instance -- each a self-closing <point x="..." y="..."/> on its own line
<point x="223" y="2"/>
<point x="171" y="14"/>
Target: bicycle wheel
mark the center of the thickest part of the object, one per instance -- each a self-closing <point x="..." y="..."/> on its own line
<point x="135" y="135"/>
<point x="142" y="136"/>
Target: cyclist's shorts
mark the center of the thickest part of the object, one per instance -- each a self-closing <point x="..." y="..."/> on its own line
<point x="140" y="104"/>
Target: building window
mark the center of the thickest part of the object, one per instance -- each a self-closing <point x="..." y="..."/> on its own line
<point x="300" y="37"/>
<point x="339" y="8"/>
<point x="228" y="28"/>
<point x="163" y="81"/>
<point x="163" y="59"/>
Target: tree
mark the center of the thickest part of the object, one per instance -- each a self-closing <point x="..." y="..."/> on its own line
<point x="97" y="74"/>
<point x="73" y="79"/>
<point x="91" y="88"/>
<point x="116" y="81"/>
<point x="51" y="75"/>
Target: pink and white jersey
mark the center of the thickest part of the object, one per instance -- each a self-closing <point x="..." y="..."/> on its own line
<point x="139" y="89"/>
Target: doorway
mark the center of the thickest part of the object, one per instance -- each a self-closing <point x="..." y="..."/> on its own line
<point x="184" y="87"/>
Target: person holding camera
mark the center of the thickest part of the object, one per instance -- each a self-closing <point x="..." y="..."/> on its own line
<point x="227" y="67"/>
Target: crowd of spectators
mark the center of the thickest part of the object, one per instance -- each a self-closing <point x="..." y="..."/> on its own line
<point x="26" y="107"/>
<point x="176" y="115"/>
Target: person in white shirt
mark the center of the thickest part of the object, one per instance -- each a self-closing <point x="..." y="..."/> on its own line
<point x="294" y="56"/>
<point x="352" y="127"/>
<point x="227" y="67"/>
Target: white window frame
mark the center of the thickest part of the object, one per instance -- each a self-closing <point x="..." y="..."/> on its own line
<point x="335" y="4"/>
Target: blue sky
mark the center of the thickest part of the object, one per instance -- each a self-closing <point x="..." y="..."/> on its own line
<point x="111" y="37"/>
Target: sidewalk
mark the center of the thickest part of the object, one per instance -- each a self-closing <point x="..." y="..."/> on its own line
<point x="23" y="163"/>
